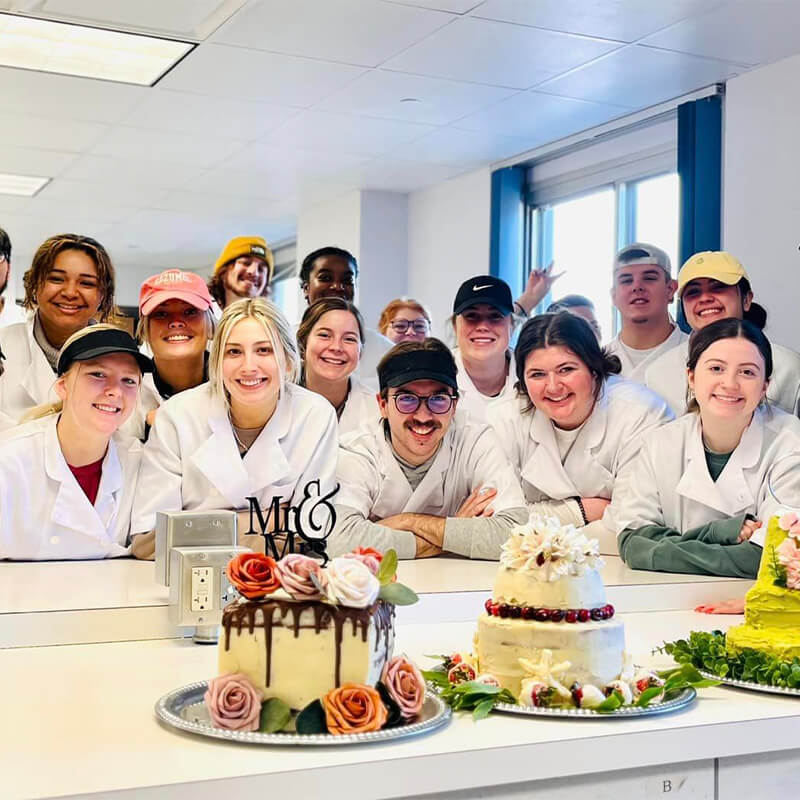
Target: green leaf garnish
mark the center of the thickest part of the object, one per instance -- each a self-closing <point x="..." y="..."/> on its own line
<point x="312" y="719"/>
<point x="397" y="593"/>
<point x="436" y="676"/>
<point x="611" y="703"/>
<point x="275" y="715"/>
<point x="483" y="708"/>
<point x="648" y="695"/>
<point x="388" y="567"/>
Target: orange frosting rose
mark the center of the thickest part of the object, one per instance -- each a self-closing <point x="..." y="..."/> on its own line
<point x="353" y="708"/>
<point x="254" y="575"/>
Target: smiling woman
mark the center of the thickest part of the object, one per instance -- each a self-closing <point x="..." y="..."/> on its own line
<point x="248" y="432"/>
<point x="67" y="479"/>
<point x="69" y="283"/>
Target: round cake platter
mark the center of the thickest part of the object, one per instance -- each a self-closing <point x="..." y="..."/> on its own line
<point x="681" y="699"/>
<point x="751" y="686"/>
<point x="185" y="710"/>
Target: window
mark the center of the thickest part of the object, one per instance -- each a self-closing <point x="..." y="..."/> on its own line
<point x="581" y="235"/>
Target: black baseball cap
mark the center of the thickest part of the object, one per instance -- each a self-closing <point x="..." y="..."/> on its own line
<point x="484" y="289"/>
<point x="101" y="342"/>
<point x="417" y="365"/>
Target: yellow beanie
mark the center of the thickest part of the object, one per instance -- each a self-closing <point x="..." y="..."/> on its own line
<point x="245" y="246"/>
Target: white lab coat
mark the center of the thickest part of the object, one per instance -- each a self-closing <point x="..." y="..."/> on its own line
<point x="28" y="378"/>
<point x="674" y="488"/>
<point x="375" y="347"/>
<point x="469" y="456"/>
<point x="11" y="313"/>
<point x="360" y="410"/>
<point x="600" y="461"/>
<point x="44" y="513"/>
<point x="637" y="372"/>
<point x="667" y="376"/>
<point x="480" y="406"/>
<point x="191" y="461"/>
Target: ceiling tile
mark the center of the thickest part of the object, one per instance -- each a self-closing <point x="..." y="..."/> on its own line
<point x="638" y="77"/>
<point x="104" y="170"/>
<point x="113" y="193"/>
<point x="497" y="53"/>
<point x="192" y="113"/>
<point x="400" y="176"/>
<point x="348" y="31"/>
<point x="25" y="130"/>
<point x="745" y="32"/>
<point x="83" y="205"/>
<point x="623" y="20"/>
<point x="343" y="133"/>
<point x="179" y="148"/>
<point x="540" y="117"/>
<point x="270" y="163"/>
<point x="213" y="204"/>
<point x="453" y="6"/>
<point x="27" y="161"/>
<point x="257" y="76"/>
<point x="380" y="93"/>
<point x="27" y="92"/>
<point x="454" y="147"/>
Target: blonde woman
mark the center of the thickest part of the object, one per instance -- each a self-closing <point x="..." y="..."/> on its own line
<point x="248" y="432"/>
<point x="175" y="323"/>
<point x="330" y="339"/>
<point x="67" y="478"/>
<point x="405" y="320"/>
<point x="69" y="283"/>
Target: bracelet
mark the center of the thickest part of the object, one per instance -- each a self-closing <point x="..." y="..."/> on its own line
<point x="522" y="311"/>
<point x="583" y="510"/>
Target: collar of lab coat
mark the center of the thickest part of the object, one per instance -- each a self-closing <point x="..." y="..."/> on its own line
<point x="544" y="469"/>
<point x="264" y="464"/>
<point x="729" y="494"/>
<point x="430" y="491"/>
<point x="72" y="508"/>
<point x="39" y="376"/>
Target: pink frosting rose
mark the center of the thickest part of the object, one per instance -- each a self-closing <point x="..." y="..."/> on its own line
<point x="233" y="702"/>
<point x="294" y="573"/>
<point x="789" y="556"/>
<point x="405" y="685"/>
<point x="791" y="524"/>
<point x="367" y="559"/>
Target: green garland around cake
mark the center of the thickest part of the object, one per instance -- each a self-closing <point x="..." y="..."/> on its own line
<point x="709" y="652"/>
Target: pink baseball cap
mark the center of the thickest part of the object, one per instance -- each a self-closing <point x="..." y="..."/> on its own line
<point x="173" y="284"/>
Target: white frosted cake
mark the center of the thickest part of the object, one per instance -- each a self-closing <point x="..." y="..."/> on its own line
<point x="549" y="596"/>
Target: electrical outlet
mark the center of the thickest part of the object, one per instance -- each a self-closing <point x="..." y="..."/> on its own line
<point x="202" y="597"/>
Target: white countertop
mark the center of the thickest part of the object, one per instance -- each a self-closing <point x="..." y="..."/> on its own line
<point x="87" y="712"/>
<point x="75" y="602"/>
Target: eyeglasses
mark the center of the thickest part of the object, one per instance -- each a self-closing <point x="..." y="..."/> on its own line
<point x="408" y="402"/>
<point x="402" y="325"/>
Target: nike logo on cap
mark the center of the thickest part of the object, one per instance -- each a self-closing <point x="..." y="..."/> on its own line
<point x="477" y="288"/>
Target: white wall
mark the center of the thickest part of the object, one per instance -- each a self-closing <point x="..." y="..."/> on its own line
<point x="448" y="240"/>
<point x="761" y="209"/>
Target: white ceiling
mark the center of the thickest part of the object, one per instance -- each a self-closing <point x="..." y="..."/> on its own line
<point x="286" y="103"/>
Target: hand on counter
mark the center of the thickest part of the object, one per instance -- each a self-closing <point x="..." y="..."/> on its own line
<point x="143" y="546"/>
<point x="735" y="606"/>
<point x="594" y="507"/>
<point x="477" y="504"/>
<point x="749" y="527"/>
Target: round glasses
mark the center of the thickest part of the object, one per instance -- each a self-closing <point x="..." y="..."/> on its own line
<point x="408" y="402"/>
<point x="402" y="325"/>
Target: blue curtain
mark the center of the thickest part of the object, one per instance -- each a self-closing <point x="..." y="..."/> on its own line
<point x="507" y="233"/>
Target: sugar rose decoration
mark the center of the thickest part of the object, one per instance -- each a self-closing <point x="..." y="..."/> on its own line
<point x="791" y="524"/>
<point x="295" y="573"/>
<point x="405" y="685"/>
<point x="789" y="557"/>
<point x="368" y="556"/>
<point x="254" y="575"/>
<point x="233" y="703"/>
<point x="353" y="708"/>
<point x="351" y="583"/>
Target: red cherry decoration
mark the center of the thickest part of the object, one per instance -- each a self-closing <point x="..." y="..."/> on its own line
<point x="542" y="615"/>
<point x="504" y="610"/>
<point x="488" y="606"/>
<point x="571" y="615"/>
<point x="583" y="615"/>
<point x="528" y="612"/>
<point x="557" y="614"/>
<point x="515" y="612"/>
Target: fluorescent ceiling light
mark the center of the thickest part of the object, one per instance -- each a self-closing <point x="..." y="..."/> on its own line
<point x="46" y="46"/>
<point x="24" y="185"/>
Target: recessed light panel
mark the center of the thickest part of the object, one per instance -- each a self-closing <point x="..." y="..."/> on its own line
<point x="86" y="52"/>
<point x="21" y="185"/>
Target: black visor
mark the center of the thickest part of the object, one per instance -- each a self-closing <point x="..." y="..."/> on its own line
<point x="418" y="365"/>
<point x="103" y="342"/>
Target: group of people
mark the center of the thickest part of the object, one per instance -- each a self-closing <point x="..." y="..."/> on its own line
<point x="674" y="449"/>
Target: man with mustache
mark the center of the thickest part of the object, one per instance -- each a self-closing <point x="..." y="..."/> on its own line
<point x="244" y="269"/>
<point x="642" y="291"/>
<point x="426" y="479"/>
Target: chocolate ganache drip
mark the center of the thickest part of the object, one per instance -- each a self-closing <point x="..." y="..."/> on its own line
<point x="270" y="613"/>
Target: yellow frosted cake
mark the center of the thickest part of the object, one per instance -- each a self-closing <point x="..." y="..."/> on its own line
<point x="549" y="604"/>
<point x="772" y="606"/>
<point x="299" y="630"/>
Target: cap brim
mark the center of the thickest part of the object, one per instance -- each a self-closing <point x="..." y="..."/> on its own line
<point x="162" y="295"/>
<point x="483" y="301"/>
<point x="145" y="363"/>
<point x="728" y="278"/>
<point x="421" y="375"/>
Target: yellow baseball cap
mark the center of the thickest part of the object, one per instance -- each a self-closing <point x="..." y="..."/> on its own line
<point x="245" y="246"/>
<point x="716" y="264"/>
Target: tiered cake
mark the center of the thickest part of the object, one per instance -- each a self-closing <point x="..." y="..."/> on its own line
<point x="772" y="606"/>
<point x="301" y="636"/>
<point x="549" y="596"/>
